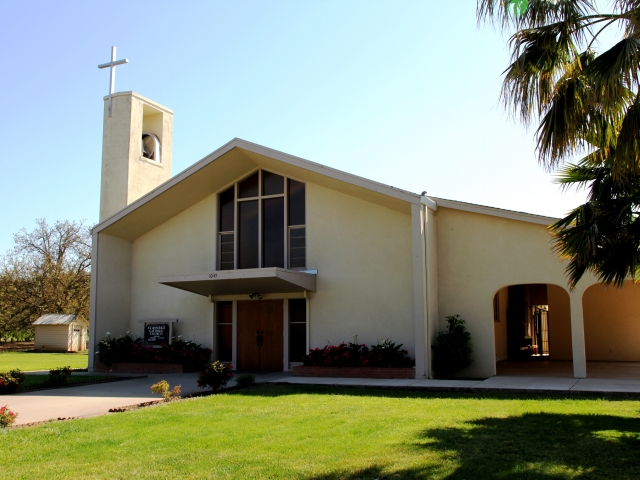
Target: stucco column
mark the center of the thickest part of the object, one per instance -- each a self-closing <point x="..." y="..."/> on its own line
<point x="577" y="336"/>
<point x="419" y="287"/>
<point x="93" y="298"/>
<point x="431" y="257"/>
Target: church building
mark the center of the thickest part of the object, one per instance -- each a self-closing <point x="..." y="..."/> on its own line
<point x="261" y="255"/>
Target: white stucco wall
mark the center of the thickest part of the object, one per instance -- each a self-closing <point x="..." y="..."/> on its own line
<point x="111" y="288"/>
<point x="612" y="322"/>
<point x="184" y="244"/>
<point x="363" y="254"/>
<point x="478" y="255"/>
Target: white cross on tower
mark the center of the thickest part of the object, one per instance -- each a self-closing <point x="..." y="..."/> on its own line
<point x="112" y="66"/>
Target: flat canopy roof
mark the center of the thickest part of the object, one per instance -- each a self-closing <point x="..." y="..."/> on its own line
<point x="241" y="282"/>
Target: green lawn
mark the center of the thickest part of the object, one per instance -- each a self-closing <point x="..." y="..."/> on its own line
<point x="27" y="361"/>
<point x="326" y="433"/>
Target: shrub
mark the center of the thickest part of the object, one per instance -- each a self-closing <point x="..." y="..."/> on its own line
<point x="388" y="354"/>
<point x="385" y="354"/>
<point x="130" y="349"/>
<point x="10" y="381"/>
<point x="215" y="376"/>
<point x="58" y="376"/>
<point x="245" y="380"/>
<point x="7" y="417"/>
<point x="453" y="350"/>
<point x="163" y="388"/>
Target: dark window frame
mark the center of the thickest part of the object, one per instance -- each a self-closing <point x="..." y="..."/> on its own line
<point x="261" y="197"/>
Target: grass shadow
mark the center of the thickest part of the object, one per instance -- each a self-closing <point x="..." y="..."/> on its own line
<point x="376" y="472"/>
<point x="541" y="446"/>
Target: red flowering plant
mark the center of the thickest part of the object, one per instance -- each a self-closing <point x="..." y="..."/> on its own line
<point x="216" y="375"/>
<point x="58" y="376"/>
<point x="10" y="381"/>
<point x="7" y="417"/>
<point x="384" y="354"/>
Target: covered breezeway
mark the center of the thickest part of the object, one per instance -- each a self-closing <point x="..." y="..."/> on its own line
<point x="533" y="331"/>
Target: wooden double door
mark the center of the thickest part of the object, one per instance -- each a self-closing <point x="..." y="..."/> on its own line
<point x="260" y="335"/>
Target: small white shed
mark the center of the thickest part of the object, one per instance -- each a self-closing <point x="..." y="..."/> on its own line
<point x="60" y="333"/>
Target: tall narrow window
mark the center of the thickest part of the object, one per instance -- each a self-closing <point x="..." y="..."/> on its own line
<point x="224" y="331"/>
<point x="273" y="232"/>
<point x="297" y="329"/>
<point x="226" y="236"/>
<point x="248" y="234"/>
<point x="296" y="222"/>
<point x="296" y="203"/>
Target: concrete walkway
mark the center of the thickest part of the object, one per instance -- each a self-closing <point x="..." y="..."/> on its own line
<point x="504" y="384"/>
<point x="92" y="400"/>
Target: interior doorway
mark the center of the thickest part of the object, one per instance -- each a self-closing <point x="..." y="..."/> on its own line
<point x="532" y="324"/>
<point x="528" y="322"/>
<point x="260" y="335"/>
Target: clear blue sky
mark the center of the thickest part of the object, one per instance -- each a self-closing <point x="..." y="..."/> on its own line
<point x="405" y="93"/>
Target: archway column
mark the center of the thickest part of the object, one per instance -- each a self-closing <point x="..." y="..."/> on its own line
<point x="577" y="336"/>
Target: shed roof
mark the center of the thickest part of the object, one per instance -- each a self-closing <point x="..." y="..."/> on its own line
<point x="57" y="319"/>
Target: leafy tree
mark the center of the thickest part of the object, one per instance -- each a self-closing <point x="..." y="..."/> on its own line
<point x="47" y="271"/>
<point x="586" y="103"/>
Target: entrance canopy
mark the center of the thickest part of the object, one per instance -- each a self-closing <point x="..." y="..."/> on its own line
<point x="241" y="282"/>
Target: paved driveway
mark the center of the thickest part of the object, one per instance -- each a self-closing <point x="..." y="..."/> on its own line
<point x="90" y="400"/>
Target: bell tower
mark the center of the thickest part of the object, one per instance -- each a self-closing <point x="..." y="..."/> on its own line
<point x="136" y="150"/>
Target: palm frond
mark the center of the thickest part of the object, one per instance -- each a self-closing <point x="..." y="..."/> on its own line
<point x="539" y="57"/>
<point x="627" y="157"/>
<point x="616" y="69"/>
<point x="538" y="12"/>
<point x="561" y="128"/>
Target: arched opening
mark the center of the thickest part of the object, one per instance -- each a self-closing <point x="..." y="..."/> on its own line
<point x="532" y="330"/>
<point x="612" y="331"/>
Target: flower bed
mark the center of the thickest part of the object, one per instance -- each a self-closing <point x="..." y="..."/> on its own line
<point x="354" y="372"/>
<point x="353" y="360"/>
<point x="128" y="354"/>
<point x="383" y="355"/>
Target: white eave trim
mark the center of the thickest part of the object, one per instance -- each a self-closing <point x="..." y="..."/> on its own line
<point x="268" y="152"/>
<point x="495" y="212"/>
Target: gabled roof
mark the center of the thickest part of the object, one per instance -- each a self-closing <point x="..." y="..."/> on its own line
<point x="225" y="166"/>
<point x="57" y="319"/>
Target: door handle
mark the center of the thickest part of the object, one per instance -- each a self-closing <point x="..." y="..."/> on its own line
<point x="259" y="338"/>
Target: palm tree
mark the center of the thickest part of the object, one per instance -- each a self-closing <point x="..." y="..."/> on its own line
<point x="586" y="103"/>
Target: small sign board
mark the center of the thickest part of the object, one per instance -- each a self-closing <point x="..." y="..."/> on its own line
<point x="157" y="333"/>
